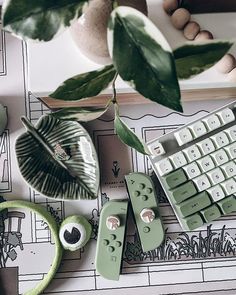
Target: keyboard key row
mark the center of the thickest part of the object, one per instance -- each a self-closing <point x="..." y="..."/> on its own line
<point x="201" y="127"/>
<point x="207" y="214"/>
<point x="180" y="159"/>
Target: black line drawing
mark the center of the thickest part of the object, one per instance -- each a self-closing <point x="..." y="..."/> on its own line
<point x="5" y="163"/>
<point x="10" y="239"/>
<point x="205" y="244"/>
<point x="115" y="169"/>
<point x="3" y="70"/>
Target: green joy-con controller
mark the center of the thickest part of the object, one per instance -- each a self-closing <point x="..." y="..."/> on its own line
<point x="145" y="208"/>
<point x="110" y="242"/>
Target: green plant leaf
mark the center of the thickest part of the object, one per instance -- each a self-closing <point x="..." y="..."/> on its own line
<point x="40" y="19"/>
<point x="85" y="85"/>
<point x="193" y="58"/>
<point x="58" y="159"/>
<point x="79" y="114"/>
<point x="142" y="57"/>
<point x="127" y="136"/>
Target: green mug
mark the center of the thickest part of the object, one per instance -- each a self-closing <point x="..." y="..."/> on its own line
<point x="3" y="118"/>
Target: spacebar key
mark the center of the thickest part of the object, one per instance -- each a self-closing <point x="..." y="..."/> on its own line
<point x="193" y="205"/>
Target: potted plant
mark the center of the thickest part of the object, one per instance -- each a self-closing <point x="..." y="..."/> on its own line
<point x="139" y="52"/>
<point x="9" y="240"/>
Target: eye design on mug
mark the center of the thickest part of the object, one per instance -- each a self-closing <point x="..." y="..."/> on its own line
<point x="75" y="232"/>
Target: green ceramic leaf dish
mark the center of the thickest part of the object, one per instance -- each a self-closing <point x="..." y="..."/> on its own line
<point x="58" y="159"/>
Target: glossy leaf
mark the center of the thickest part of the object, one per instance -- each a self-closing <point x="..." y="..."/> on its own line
<point x="127" y="136"/>
<point x="79" y="114"/>
<point x="142" y="57"/>
<point x="192" y="59"/>
<point x="41" y="19"/>
<point x="85" y="85"/>
<point x="58" y="159"/>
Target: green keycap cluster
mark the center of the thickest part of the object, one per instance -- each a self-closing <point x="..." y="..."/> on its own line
<point x="192" y="207"/>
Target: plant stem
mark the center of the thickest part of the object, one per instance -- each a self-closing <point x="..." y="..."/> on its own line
<point x="114" y="101"/>
<point x="114" y="4"/>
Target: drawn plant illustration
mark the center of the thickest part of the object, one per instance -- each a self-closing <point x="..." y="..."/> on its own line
<point x="9" y="239"/>
<point x="94" y="221"/>
<point x="186" y="246"/>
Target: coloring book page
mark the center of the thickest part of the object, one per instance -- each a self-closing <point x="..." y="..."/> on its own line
<point x="198" y="262"/>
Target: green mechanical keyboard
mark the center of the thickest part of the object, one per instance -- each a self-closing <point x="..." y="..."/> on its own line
<point x="196" y="166"/>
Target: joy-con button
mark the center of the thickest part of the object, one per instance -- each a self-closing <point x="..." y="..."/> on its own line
<point x="144" y="198"/>
<point x="141" y="186"/>
<point x="111" y="249"/>
<point x="112" y="222"/>
<point x="118" y="243"/>
<point x="112" y="237"/>
<point x="136" y="193"/>
<point x="147" y="215"/>
<point x="105" y="242"/>
<point x="146" y="229"/>
<point x="149" y="190"/>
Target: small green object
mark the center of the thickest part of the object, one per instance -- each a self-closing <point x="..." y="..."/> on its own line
<point x="211" y="213"/>
<point x="183" y="192"/>
<point x="175" y="178"/>
<point x="3" y="119"/>
<point x="75" y="232"/>
<point x="192" y="222"/>
<point x="109" y="255"/>
<point x="145" y="211"/>
<point x="38" y="209"/>
<point x="227" y="205"/>
<point x="193" y="205"/>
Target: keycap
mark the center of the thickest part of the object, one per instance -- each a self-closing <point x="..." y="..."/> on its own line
<point x="178" y="160"/>
<point x="183" y="192"/>
<point x="231" y="150"/>
<point x="229" y="169"/>
<point x="227" y="205"/>
<point x="164" y="167"/>
<point x="211" y="213"/>
<point x="198" y="129"/>
<point x="212" y="122"/>
<point x="226" y="116"/>
<point x="220" y="139"/>
<point x="220" y="157"/>
<point x="216" y="192"/>
<point x="229" y="186"/>
<point x="183" y="136"/>
<point x="202" y="182"/>
<point x="206" y="146"/>
<point x="175" y="178"/>
<point x="206" y="164"/>
<point x="192" y="170"/>
<point x="192" y="222"/>
<point x="231" y="132"/>
<point x="193" y="204"/>
<point x="216" y="176"/>
<point x="192" y="153"/>
<point x="156" y="149"/>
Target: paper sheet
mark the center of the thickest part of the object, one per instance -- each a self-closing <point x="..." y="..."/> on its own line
<point x="200" y="262"/>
